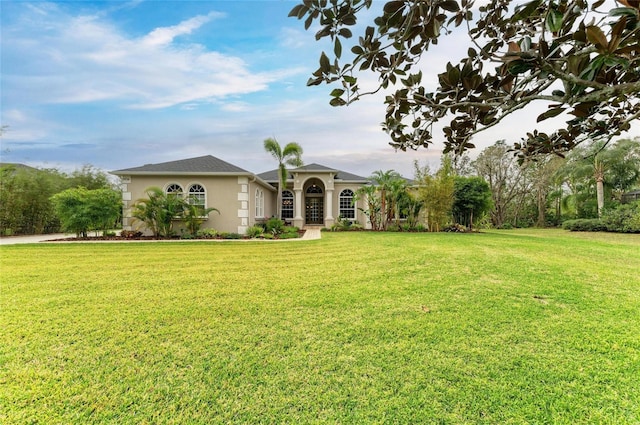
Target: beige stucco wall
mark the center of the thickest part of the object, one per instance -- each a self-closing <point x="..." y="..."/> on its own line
<point x="233" y="196"/>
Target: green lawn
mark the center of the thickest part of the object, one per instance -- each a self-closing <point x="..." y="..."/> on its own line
<point x="531" y="326"/>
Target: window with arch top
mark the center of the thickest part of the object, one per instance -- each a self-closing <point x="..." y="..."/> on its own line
<point x="287" y="204"/>
<point x="346" y="204"/>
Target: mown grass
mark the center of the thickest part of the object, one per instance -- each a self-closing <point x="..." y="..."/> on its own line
<point x="498" y="327"/>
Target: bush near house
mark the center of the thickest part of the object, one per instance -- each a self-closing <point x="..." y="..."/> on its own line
<point x="623" y="219"/>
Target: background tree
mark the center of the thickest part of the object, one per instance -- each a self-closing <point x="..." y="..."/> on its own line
<point x="506" y="178"/>
<point x="436" y="193"/>
<point x="579" y="57"/>
<point x="471" y="200"/>
<point x="25" y="205"/>
<point x="602" y="169"/>
<point x="291" y="155"/>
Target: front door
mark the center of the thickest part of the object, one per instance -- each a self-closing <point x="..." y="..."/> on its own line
<point x="314" y="210"/>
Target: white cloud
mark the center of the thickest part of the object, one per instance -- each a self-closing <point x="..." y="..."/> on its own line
<point x="165" y="35"/>
<point x="104" y="63"/>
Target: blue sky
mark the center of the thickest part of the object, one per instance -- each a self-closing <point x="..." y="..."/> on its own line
<point x="118" y="84"/>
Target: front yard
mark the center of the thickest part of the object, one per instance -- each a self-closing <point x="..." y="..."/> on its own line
<point x="527" y="326"/>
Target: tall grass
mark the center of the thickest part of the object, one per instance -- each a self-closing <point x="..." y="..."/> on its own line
<point x="498" y="327"/>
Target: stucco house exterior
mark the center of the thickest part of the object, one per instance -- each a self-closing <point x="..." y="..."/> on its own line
<point x="315" y="195"/>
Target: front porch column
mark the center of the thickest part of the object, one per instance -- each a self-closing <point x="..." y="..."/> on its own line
<point x="297" y="218"/>
<point x="329" y="220"/>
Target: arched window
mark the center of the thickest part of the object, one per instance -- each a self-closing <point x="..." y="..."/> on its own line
<point x="197" y="195"/>
<point x="287" y="204"/>
<point x="314" y="190"/>
<point x="347" y="206"/>
<point x="174" y="189"/>
<point x="259" y="203"/>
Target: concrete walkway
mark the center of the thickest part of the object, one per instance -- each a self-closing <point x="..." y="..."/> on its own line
<point x="310" y="234"/>
<point x="13" y="240"/>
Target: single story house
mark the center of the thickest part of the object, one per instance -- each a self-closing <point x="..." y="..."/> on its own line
<point x="315" y="195"/>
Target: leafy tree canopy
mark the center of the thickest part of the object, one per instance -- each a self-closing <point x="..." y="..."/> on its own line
<point x="579" y="57"/>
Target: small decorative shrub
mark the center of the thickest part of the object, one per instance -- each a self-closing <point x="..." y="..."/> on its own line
<point x="393" y="228"/>
<point x="207" y="233"/>
<point x="230" y="235"/>
<point x="456" y="228"/>
<point x="108" y="233"/>
<point x="267" y="235"/>
<point x="290" y="229"/>
<point x="406" y="227"/>
<point x="356" y="226"/>
<point x="421" y="227"/>
<point x="254" y="231"/>
<point x="187" y="236"/>
<point x="274" y="226"/>
<point x="130" y="234"/>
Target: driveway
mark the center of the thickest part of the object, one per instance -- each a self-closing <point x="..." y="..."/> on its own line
<point x="13" y="240"/>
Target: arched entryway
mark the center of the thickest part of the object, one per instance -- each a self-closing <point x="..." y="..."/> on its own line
<point x="314" y="202"/>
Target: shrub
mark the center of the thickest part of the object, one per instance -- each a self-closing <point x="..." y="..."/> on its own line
<point x="108" y="233"/>
<point x="584" y="225"/>
<point x="274" y="226"/>
<point x="624" y="219"/>
<point x="207" y="233"/>
<point x="456" y="228"/>
<point x="230" y="235"/>
<point x="421" y="228"/>
<point x="290" y="229"/>
<point x="268" y="236"/>
<point x="254" y="231"/>
<point x="393" y="228"/>
<point x="130" y="234"/>
<point x="406" y="227"/>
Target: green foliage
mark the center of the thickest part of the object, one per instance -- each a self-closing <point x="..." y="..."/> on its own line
<point x="274" y="225"/>
<point x="25" y="196"/>
<point x="515" y="56"/>
<point x="230" y="235"/>
<point x="290" y="155"/>
<point x="436" y="194"/>
<point x="254" y="231"/>
<point x="584" y="225"/>
<point x="623" y="219"/>
<point x="472" y="199"/>
<point x="159" y="210"/>
<point x="207" y="234"/>
<point x="194" y="215"/>
<point x="81" y="210"/>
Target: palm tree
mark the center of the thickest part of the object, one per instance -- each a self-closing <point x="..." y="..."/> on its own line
<point x="291" y="155"/>
<point x="384" y="181"/>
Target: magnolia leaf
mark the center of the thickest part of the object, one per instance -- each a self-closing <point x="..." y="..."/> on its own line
<point x="596" y="36"/>
<point x="554" y="21"/>
<point x="550" y="114"/>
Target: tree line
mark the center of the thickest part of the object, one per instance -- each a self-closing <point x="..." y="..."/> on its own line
<point x="37" y="201"/>
<point x="496" y="190"/>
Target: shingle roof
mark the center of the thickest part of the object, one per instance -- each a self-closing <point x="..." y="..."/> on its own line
<point x="272" y="176"/>
<point x="202" y="164"/>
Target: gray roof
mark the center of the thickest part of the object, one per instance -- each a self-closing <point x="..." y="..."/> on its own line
<point x="272" y="176"/>
<point x="201" y="165"/>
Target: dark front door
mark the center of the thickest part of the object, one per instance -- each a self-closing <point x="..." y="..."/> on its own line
<point x="314" y="210"/>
